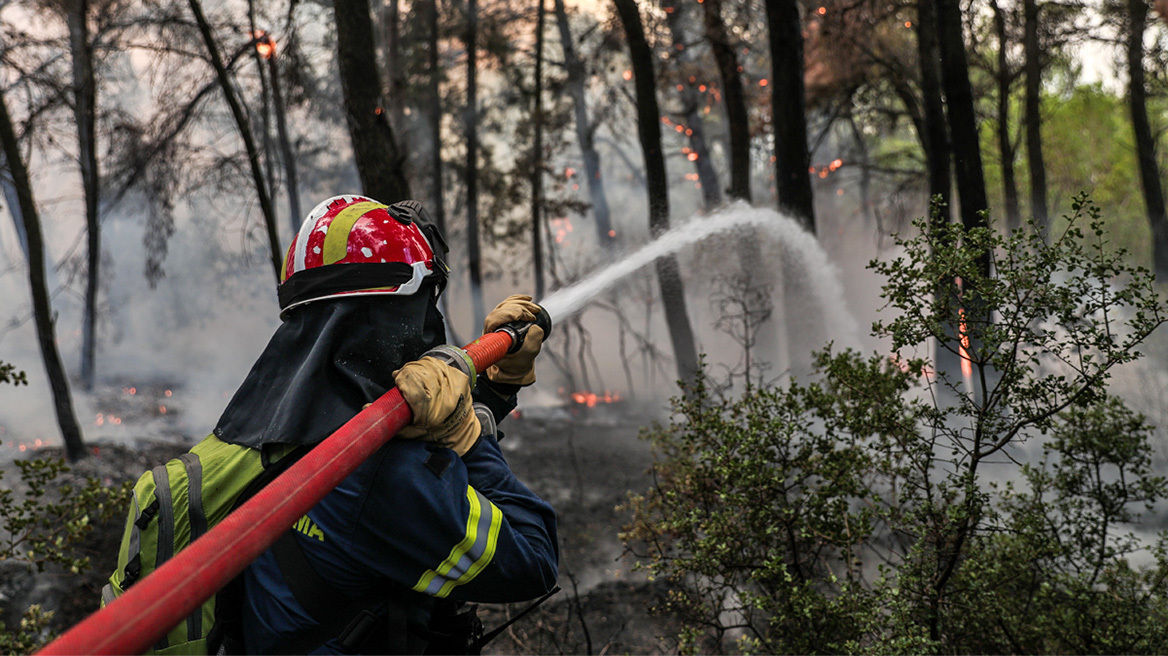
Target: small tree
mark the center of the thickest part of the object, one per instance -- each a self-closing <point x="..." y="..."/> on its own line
<point x="859" y="512"/>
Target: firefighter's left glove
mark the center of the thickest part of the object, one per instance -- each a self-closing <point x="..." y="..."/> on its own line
<point x="439" y="396"/>
<point x="516" y="368"/>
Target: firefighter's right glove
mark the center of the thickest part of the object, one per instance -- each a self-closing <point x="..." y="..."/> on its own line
<point x="439" y="396"/>
<point x="515" y="368"/>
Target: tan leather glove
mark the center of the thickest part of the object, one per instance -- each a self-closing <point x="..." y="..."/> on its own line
<point x="517" y="368"/>
<point x="439" y="396"/>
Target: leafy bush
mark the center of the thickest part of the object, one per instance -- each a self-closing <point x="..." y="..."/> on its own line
<point x="42" y="527"/>
<point x="888" y="507"/>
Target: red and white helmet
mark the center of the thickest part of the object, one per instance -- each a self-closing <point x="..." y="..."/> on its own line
<point x="353" y="246"/>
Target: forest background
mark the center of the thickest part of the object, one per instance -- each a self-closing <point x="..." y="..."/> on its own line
<point x="160" y="156"/>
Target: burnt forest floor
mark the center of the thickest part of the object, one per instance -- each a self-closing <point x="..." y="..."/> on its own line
<point x="584" y="464"/>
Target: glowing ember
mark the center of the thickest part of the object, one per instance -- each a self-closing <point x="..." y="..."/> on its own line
<point x="590" y="399"/>
<point x="562" y="226"/>
<point x="628" y="75"/>
<point x="265" y="45"/>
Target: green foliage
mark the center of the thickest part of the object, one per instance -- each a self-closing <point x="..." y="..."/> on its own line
<point x="887" y="507"/>
<point x="42" y="527"/>
<point x="1087" y="145"/>
<point x="9" y="374"/>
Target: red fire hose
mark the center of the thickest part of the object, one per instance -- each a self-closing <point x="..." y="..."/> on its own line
<point x="152" y="606"/>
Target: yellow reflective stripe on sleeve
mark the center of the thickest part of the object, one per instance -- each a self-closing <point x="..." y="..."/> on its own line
<point x="471" y="554"/>
<point x="492" y="525"/>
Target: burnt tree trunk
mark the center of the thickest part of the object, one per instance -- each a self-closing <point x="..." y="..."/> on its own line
<point x="734" y="98"/>
<point x="789" y="112"/>
<point x="803" y="317"/>
<point x="1145" y="138"/>
<point x="1005" y="80"/>
<point x="537" y="155"/>
<point x="261" y="37"/>
<point x="394" y="75"/>
<point x="375" y="147"/>
<point x="253" y="156"/>
<point x="935" y="137"/>
<point x="691" y="103"/>
<point x="85" y="115"/>
<point x="434" y="113"/>
<point x="287" y="153"/>
<point x="973" y="204"/>
<point x="1033" y="117"/>
<point x="938" y="157"/>
<point x="648" y="127"/>
<point x="41" y="307"/>
<point x="577" y="86"/>
<point x="474" y="264"/>
<point x="971" y="188"/>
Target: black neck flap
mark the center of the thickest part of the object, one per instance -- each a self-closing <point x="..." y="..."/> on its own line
<point x="325" y="362"/>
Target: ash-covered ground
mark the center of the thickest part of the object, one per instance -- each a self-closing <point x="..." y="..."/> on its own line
<point x="583" y="460"/>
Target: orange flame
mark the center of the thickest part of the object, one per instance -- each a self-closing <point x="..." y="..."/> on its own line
<point x="966" y="363"/>
<point x="590" y="399"/>
<point x="265" y="44"/>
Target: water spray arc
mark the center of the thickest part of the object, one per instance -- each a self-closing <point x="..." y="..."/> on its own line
<point x="798" y="243"/>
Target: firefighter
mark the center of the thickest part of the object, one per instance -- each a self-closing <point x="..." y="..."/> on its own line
<point x="383" y="563"/>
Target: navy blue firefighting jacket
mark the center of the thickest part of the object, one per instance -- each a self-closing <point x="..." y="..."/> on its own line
<point x="414" y="519"/>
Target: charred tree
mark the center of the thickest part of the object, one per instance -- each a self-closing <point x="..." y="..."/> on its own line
<point x="971" y="189"/>
<point x="429" y="9"/>
<point x="648" y="127"/>
<point x="935" y="137"/>
<point x="537" y="155"/>
<point x="41" y="307"/>
<point x="1005" y="80"/>
<point x="375" y="147"/>
<point x="938" y="157"/>
<point x="789" y="112"/>
<point x="268" y="161"/>
<point x="471" y="118"/>
<point x="287" y="153"/>
<point x="691" y="106"/>
<point x="734" y="98"/>
<point x="394" y="73"/>
<point x="85" y="116"/>
<point x="241" y="123"/>
<point x="577" y="84"/>
<point x="1145" y="138"/>
<point x="1033" y="116"/>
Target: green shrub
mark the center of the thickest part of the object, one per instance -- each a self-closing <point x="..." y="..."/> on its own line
<point x="885" y="507"/>
<point x="42" y="527"/>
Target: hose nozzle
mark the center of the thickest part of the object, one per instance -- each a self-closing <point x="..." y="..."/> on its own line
<point x="518" y="329"/>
